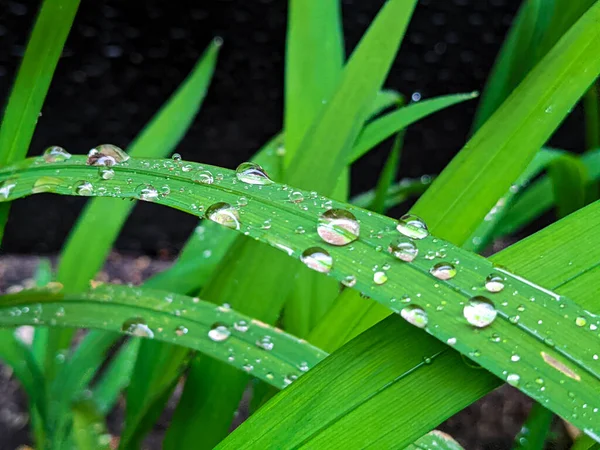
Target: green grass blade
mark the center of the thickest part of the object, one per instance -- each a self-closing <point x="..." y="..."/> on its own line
<point x="444" y="297"/>
<point x="383" y="351"/>
<point x="386" y="178"/>
<point x="117" y="376"/>
<point x="314" y="60"/>
<point x="585" y="443"/>
<point x="534" y="432"/>
<point x="537" y="27"/>
<point x="385" y="99"/>
<point x="89" y="429"/>
<point x="397" y="192"/>
<point x="591" y="104"/>
<point x="383" y="127"/>
<point x="569" y="179"/>
<point x="499" y="152"/>
<point x="435" y="440"/>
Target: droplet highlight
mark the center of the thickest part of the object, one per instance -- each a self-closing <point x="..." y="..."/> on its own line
<point x="415" y="315"/>
<point x="251" y="173"/>
<point x="443" y="271"/>
<point x="480" y="312"/>
<point x="404" y="249"/>
<point x="224" y="214"/>
<point x="317" y="259"/>
<point x="413" y="227"/>
<point x="338" y="227"/>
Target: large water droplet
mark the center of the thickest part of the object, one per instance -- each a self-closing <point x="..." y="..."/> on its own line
<point x="224" y="214"/>
<point x="494" y="282"/>
<point x="580" y="321"/>
<point x="219" y="332"/>
<point x="403" y="249"/>
<point x="380" y="277"/>
<point x="55" y="154"/>
<point x="338" y="227"/>
<point x="252" y="173"/>
<point x="443" y="271"/>
<point x="106" y="155"/>
<point x="480" y="312"/>
<point x="203" y="176"/>
<point x="415" y="315"/>
<point x="137" y="326"/>
<point x="413" y="227"/>
<point x="83" y="188"/>
<point x="146" y="192"/>
<point x="317" y="259"/>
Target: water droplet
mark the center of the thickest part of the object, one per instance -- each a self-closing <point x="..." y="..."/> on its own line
<point x="224" y="214"/>
<point x="349" y="280"/>
<point x="296" y="197"/>
<point x="415" y="315"/>
<point x="252" y="173"/>
<point x="480" y="312"/>
<point x="176" y="157"/>
<point x="289" y="379"/>
<point x="443" y="271"/>
<point x="413" y="227"/>
<point x="137" y="326"/>
<point x="515" y="358"/>
<point x="380" y="277"/>
<point x="5" y="188"/>
<point x="451" y="341"/>
<point x="55" y="154"/>
<point x="513" y="379"/>
<point x="83" y="188"/>
<point x="181" y="330"/>
<point x="106" y="174"/>
<point x="203" y="177"/>
<point x="338" y="227"/>
<point x="580" y="321"/>
<point x="106" y="155"/>
<point x="146" y="192"/>
<point x="317" y="259"/>
<point x="219" y="332"/>
<point x="241" y="326"/>
<point x="265" y="343"/>
<point x="403" y="249"/>
<point x="494" y="283"/>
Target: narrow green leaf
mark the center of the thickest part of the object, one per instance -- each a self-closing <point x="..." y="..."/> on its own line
<point x="591" y="105"/>
<point x="499" y="152"/>
<point x="386" y="178"/>
<point x="89" y="429"/>
<point x="435" y="440"/>
<point x="534" y="432"/>
<point x="569" y="181"/>
<point x="397" y="192"/>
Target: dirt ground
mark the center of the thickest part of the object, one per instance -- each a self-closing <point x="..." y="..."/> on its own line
<point x="490" y="423"/>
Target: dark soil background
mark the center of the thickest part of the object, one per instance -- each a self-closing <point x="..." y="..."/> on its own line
<point x="123" y="59"/>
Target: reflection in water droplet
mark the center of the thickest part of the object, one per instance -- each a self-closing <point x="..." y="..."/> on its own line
<point x="137" y="326"/>
<point x="83" y="188"/>
<point x="338" y="227"/>
<point x="203" y="176"/>
<point x="219" y="332"/>
<point x="413" y="227"/>
<point x="106" y="155"/>
<point x="480" y="312"/>
<point x="380" y="277"/>
<point x="251" y="173"/>
<point x="146" y="192"/>
<point x="415" y="315"/>
<point x="494" y="282"/>
<point x="224" y="214"/>
<point x="403" y="249"/>
<point x="176" y="157"/>
<point x="443" y="271"/>
<point x="55" y="154"/>
<point x="317" y="259"/>
<point x="106" y="174"/>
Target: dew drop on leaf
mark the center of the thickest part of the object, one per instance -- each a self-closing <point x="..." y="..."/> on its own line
<point x="83" y="188"/>
<point x="513" y="379"/>
<point x="317" y="259"/>
<point x="443" y="271"/>
<point x="480" y="311"/>
<point x="413" y="227"/>
<point x="224" y="214"/>
<point x="203" y="177"/>
<point x="181" y="330"/>
<point x="338" y="227"/>
<point x="349" y="280"/>
<point x="106" y="174"/>
<point x="494" y="283"/>
<point x="251" y="173"/>
<point x="176" y="157"/>
<point x="106" y="155"/>
<point x="146" y="192"/>
<point x="580" y="321"/>
<point x="55" y="154"/>
<point x="289" y="379"/>
<point x="137" y="326"/>
<point x="5" y="189"/>
<point x="415" y="315"/>
<point x="241" y="326"/>
<point x="265" y="343"/>
<point x="296" y="197"/>
<point x="380" y="277"/>
<point x="403" y="249"/>
<point x="219" y="332"/>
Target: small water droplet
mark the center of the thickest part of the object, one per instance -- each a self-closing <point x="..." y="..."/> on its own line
<point x="494" y="283"/>
<point x="580" y="321"/>
<point x="413" y="227"/>
<point x="349" y="280"/>
<point x="181" y="330"/>
<point x="224" y="214"/>
<point x="338" y="227"/>
<point x="219" y="332"/>
<point x="106" y="155"/>
<point x="137" y="326"/>
<point x="480" y="312"/>
<point x="55" y="154"/>
<point x="265" y="343"/>
<point x="415" y="315"/>
<point x="515" y="358"/>
<point x="403" y="249"/>
<point x="105" y="173"/>
<point x="513" y="379"/>
<point x="380" y="277"/>
<point x="289" y="379"/>
<point x="443" y="271"/>
<point x="251" y="173"/>
<point x="83" y="188"/>
<point x="146" y="192"/>
<point x="5" y="189"/>
<point x="296" y="197"/>
<point x="176" y="157"/>
<point x="317" y="259"/>
<point x="451" y="341"/>
<point x="203" y="177"/>
<point x="241" y="326"/>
